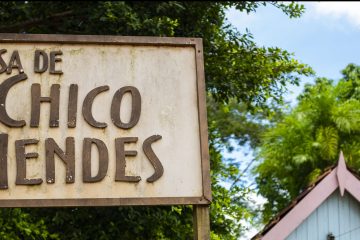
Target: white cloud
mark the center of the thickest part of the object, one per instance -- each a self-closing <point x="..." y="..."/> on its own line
<point x="240" y="19"/>
<point x="337" y="10"/>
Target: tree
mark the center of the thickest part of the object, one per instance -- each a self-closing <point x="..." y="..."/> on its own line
<point x="239" y="76"/>
<point x="297" y="149"/>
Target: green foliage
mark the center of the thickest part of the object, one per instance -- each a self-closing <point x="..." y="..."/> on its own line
<point x="241" y="80"/>
<point x="292" y="9"/>
<point x="133" y="223"/>
<point x="308" y="139"/>
<point x="235" y="66"/>
<point x="237" y="121"/>
<point x="17" y="225"/>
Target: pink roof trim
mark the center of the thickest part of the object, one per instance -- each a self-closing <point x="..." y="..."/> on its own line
<point x="340" y="177"/>
<point x="341" y="174"/>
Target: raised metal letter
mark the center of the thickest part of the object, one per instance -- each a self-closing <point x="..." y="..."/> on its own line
<point x="15" y="58"/>
<point x="53" y="60"/>
<point x="120" y="159"/>
<point x="45" y="58"/>
<point x="159" y="170"/>
<point x="4" y="89"/>
<point x="135" y="107"/>
<point x="86" y="109"/>
<point x="68" y="158"/>
<point x="36" y="100"/>
<point x="72" y="106"/>
<point x="2" y="62"/>
<point x="103" y="160"/>
<point x="4" y="138"/>
<point x="21" y="157"/>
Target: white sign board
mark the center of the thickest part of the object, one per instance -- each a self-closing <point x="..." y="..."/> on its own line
<point x="102" y="120"/>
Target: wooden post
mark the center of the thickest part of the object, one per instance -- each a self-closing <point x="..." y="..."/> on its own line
<point x="201" y="218"/>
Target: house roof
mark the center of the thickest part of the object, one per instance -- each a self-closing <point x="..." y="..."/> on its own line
<point x="338" y="176"/>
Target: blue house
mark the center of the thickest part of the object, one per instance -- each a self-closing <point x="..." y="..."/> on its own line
<point x="327" y="210"/>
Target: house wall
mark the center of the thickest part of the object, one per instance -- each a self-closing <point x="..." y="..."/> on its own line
<point x="337" y="215"/>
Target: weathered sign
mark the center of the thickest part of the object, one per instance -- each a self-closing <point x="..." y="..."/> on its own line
<point x="102" y="120"/>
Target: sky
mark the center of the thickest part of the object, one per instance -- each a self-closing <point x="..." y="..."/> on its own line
<point x="326" y="37"/>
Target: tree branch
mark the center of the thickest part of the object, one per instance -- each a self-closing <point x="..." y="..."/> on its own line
<point x="32" y="22"/>
<point x="241" y="173"/>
